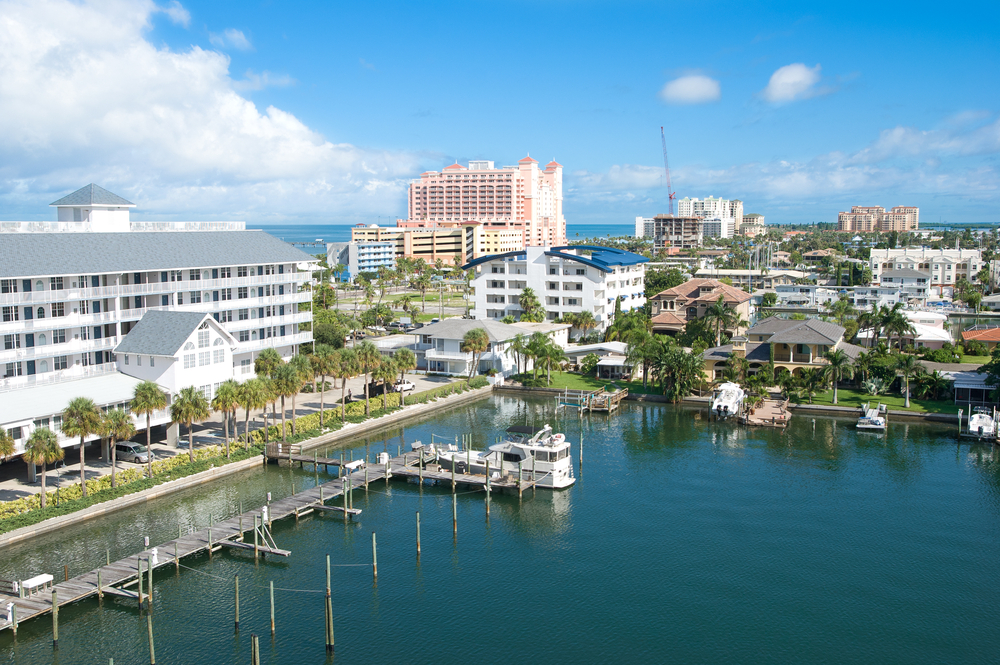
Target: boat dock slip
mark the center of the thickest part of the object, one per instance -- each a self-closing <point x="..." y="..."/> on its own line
<point x="592" y="400"/>
<point x="772" y="413"/>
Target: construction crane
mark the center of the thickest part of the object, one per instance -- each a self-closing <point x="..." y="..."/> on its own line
<point x="666" y="167"/>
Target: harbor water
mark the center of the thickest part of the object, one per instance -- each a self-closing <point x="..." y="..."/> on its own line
<point x="684" y="540"/>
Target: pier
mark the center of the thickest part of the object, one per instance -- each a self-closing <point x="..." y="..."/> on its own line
<point x="592" y="400"/>
<point x="772" y="413"/>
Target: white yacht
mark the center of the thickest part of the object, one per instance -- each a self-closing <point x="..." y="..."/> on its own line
<point x="982" y="422"/>
<point x="543" y="456"/>
<point x="728" y="400"/>
<point x="872" y="418"/>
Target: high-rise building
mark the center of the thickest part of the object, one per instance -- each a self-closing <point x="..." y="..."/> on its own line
<point x="522" y="198"/>
<point x="875" y="218"/>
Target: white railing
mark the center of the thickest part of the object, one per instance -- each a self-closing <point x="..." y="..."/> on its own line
<point x="274" y="342"/>
<point x="434" y="354"/>
<point x="61" y="376"/>
<point x="187" y="226"/>
<point x="44" y="227"/>
<point x="71" y="347"/>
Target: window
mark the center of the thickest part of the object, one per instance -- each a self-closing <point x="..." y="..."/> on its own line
<point x="581" y="271"/>
<point x="152" y="361"/>
<point x="195" y="298"/>
<point x="227" y="294"/>
<point x="8" y="286"/>
<point x="84" y="333"/>
<point x="15" y="433"/>
<point x="204" y="358"/>
<point x="60" y="362"/>
<point x="138" y="361"/>
<point x="225" y="317"/>
<point x="225" y="273"/>
<point x="55" y="283"/>
<point x="41" y="312"/>
<point x="189" y="361"/>
<point x="241" y="271"/>
<point x="243" y="314"/>
<point x="126" y="359"/>
<point x="202" y="339"/>
<point x="194" y="274"/>
<point x="206" y="391"/>
<point x="241" y="293"/>
<point x="244" y="336"/>
<point x="12" y="369"/>
<point x="10" y="314"/>
<point x="245" y="366"/>
<point x="553" y="270"/>
<point x="11" y="342"/>
<point x="218" y="356"/>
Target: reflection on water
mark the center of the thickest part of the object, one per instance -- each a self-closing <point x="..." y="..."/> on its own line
<point x="851" y="547"/>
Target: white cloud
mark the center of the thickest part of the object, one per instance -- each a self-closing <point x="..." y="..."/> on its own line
<point x="791" y="82"/>
<point x="85" y="97"/>
<point x="232" y="38"/>
<point x="692" y="89"/>
<point x="253" y="81"/>
<point x="176" y="13"/>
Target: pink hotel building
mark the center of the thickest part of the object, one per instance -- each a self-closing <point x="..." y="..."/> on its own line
<point x="521" y="197"/>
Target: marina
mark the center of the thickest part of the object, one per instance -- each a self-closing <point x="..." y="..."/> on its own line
<point x="693" y="486"/>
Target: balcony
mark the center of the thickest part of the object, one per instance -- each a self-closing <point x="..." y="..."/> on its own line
<point x="785" y="357"/>
<point x="434" y="354"/>
<point x="274" y="342"/>
<point x="61" y="376"/>
<point x="72" y="347"/>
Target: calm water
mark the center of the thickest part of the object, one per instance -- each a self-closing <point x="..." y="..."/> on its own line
<point x="683" y="541"/>
<point x="342" y="232"/>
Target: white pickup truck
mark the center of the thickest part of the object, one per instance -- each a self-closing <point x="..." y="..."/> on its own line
<point x="403" y="385"/>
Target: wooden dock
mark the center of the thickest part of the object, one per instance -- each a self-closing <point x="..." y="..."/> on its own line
<point x="231" y="533"/>
<point x="592" y="400"/>
<point x="772" y="413"/>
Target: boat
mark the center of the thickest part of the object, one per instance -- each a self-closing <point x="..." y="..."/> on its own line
<point x="982" y="422"/>
<point x="541" y="455"/>
<point x="872" y="418"/>
<point x="728" y="400"/>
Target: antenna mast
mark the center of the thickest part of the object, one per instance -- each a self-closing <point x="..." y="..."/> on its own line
<point x="666" y="167"/>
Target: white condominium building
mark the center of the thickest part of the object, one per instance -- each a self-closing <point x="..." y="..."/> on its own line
<point x="566" y="280"/>
<point x="875" y="218"/>
<point x="71" y="292"/>
<point x="943" y="267"/>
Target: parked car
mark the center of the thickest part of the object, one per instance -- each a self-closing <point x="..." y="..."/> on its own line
<point x="132" y="452"/>
<point x="403" y="385"/>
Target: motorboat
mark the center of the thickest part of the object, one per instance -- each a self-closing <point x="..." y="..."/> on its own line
<point x="982" y="422"/>
<point x="728" y="400"/>
<point x="527" y="453"/>
<point x="872" y="418"/>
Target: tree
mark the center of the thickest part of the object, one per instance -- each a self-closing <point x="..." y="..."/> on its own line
<point x="839" y="367"/>
<point x="508" y="319"/>
<point x="476" y="341"/>
<point x="265" y="363"/>
<point x="405" y="360"/>
<point x="535" y="349"/>
<point x="6" y="444"/>
<point x="118" y="426"/>
<point x="286" y="382"/>
<point x="517" y="347"/>
<point x="589" y="364"/>
<point x="189" y="405"/>
<point x="303" y="369"/>
<point x="841" y="309"/>
<point x="795" y="257"/>
<point x="324" y="361"/>
<point x="769" y="299"/>
<point x="585" y="322"/>
<point x="658" y="280"/>
<point x="81" y="418"/>
<point x="531" y="308"/>
<point x="330" y="334"/>
<point x="721" y="316"/>
<point x="551" y="356"/>
<point x="368" y="358"/>
<point x="907" y="366"/>
<point x="421" y="283"/>
<point x="42" y="447"/>
<point x="252" y="395"/>
<point x="349" y="366"/>
<point x="813" y="381"/>
<point x="384" y="372"/>
<point x="226" y="399"/>
<point x="147" y="398"/>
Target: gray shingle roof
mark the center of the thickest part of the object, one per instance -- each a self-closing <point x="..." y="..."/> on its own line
<point x="757" y="352"/>
<point x="92" y="195"/>
<point x="160" y="333"/>
<point x="810" y="331"/>
<point x="771" y="325"/>
<point x="44" y="254"/>
<point x="456" y="329"/>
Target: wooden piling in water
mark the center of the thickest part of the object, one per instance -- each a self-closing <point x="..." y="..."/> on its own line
<point x="454" y="515"/>
<point x="254" y="650"/>
<point x="65" y="572"/>
<point x="139" y="565"/>
<point x="272" y="608"/>
<point x="100" y="587"/>
<point x="236" y="626"/>
<point x="418" y="534"/>
<point x="374" y="561"/>
<point x="55" y="620"/>
<point x="149" y="580"/>
<point x="255" y="548"/>
<point x="177" y="562"/>
<point x="107" y="554"/>
<point x="13" y="620"/>
<point x="329" y="610"/>
<point x="149" y="631"/>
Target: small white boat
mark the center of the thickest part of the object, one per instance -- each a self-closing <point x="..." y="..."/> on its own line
<point x="982" y="422"/>
<point x="535" y="453"/>
<point x="728" y="400"/>
<point x="872" y="418"/>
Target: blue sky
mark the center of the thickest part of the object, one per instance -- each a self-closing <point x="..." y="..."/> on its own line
<point x="301" y="112"/>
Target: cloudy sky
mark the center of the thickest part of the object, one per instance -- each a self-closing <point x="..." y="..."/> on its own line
<point x="322" y="112"/>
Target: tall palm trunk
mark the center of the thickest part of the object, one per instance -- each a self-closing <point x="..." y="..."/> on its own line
<point x="343" y="402"/>
<point x="283" y="438"/>
<point x="246" y="428"/>
<point x="114" y="460"/>
<point x="225" y="431"/>
<point x="293" y="413"/>
<point x="368" y="409"/>
<point x="83" y="475"/>
<point x="43" y="488"/>
<point x="190" y="425"/>
<point x="149" y="449"/>
<point x="321" y="400"/>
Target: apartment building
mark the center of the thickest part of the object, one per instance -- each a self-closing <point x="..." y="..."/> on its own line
<point x="359" y="257"/>
<point x="522" y="197"/>
<point x="452" y="245"/>
<point x="876" y="218"/>
<point x="753" y="279"/>
<point x="752" y="225"/>
<point x="943" y="266"/>
<point x="566" y="280"/>
<point x="72" y="290"/>
<point x="675" y="231"/>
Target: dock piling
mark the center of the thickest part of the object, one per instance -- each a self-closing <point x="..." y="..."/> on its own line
<point x="177" y="561"/>
<point x="149" y="584"/>
<point x="107" y="554"/>
<point x="65" y="572"/>
<point x="418" y="534"/>
<point x="254" y="650"/>
<point x="454" y="516"/>
<point x="139" y="565"/>
<point x="149" y="631"/>
<point x="55" y="620"/>
<point x="329" y="610"/>
<point x="272" y="608"/>
<point x="236" y="626"/>
<point x="255" y="548"/>
<point x="13" y="620"/>
<point x="374" y="561"/>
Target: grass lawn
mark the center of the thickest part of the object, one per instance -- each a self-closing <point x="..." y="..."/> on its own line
<point x="976" y="360"/>
<point x="855" y="398"/>
<point x="579" y="382"/>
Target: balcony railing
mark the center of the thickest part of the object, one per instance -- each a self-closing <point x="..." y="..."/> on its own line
<point x="434" y="354"/>
<point x="68" y="348"/>
<point x="274" y="342"/>
<point x="60" y="376"/>
<point x="804" y="358"/>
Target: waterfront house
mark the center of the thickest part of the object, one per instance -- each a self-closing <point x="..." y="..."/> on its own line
<point x="985" y="333"/>
<point x="674" y="307"/>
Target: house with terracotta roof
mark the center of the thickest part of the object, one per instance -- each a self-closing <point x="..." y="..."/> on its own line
<point x="673" y="308"/>
<point x="988" y="336"/>
<point x="791" y="345"/>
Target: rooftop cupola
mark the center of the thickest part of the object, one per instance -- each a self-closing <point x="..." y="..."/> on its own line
<point x="96" y="206"/>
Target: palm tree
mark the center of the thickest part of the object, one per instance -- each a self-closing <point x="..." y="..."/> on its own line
<point x="517" y="347"/>
<point x="265" y="363"/>
<point x="931" y="384"/>
<point x="534" y="350"/>
<point x="189" y="405"/>
<point x="42" y="447"/>
<point x="146" y="399"/>
<point x="303" y="369"/>
<point x="286" y="384"/>
<point x="349" y="366"/>
<point x="897" y="323"/>
<point x="405" y="360"/>
<point x="226" y="399"/>
<point x="81" y="418"/>
<point x="721" y="316"/>
<point x="839" y="367"/>
<point x="421" y="283"/>
<point x="552" y="356"/>
<point x="531" y="308"/>
<point x="368" y="357"/>
<point x="324" y="360"/>
<point x="841" y="309"/>
<point x="907" y="366"/>
<point x="252" y="395"/>
<point x="6" y="444"/>
<point x="118" y="426"/>
<point x="384" y="372"/>
<point x="812" y="382"/>
<point x="585" y="322"/>
<point x="476" y="341"/>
